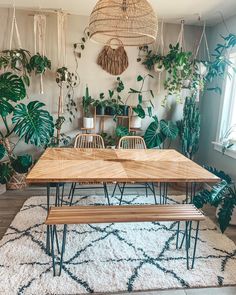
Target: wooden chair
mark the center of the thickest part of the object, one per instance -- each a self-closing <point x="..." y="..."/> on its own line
<point x="133" y="142"/>
<point x="93" y="141"/>
<point x="88" y="141"/>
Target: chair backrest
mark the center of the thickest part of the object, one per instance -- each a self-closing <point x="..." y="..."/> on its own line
<point x="93" y="141"/>
<point x="132" y="142"/>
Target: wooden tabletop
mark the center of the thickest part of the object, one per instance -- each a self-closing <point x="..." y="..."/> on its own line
<point x="108" y="165"/>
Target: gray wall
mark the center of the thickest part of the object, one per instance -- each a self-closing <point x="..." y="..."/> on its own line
<point x="210" y="107"/>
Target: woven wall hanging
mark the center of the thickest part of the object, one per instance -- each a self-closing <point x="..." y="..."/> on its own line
<point x="113" y="60"/>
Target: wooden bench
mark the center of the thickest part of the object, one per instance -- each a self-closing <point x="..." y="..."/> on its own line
<point x="108" y="214"/>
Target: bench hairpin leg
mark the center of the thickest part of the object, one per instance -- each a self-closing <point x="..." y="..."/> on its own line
<point x="56" y="236"/>
<point x="63" y="247"/>
<point x="195" y="244"/>
<point x="146" y="190"/>
<point x="52" y="250"/>
<point x="166" y="192"/>
<point x="187" y="192"/>
<point x="160" y="191"/>
<point x="114" y="190"/>
<point x="177" y="235"/>
<point x="189" y="234"/>
<point x="187" y="243"/>
<point x="48" y="230"/>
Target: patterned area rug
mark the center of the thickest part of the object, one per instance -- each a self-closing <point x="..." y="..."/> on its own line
<point x="110" y="257"/>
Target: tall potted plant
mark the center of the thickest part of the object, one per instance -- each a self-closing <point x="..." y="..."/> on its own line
<point x="87" y="102"/>
<point x="30" y="123"/>
<point x="189" y="128"/>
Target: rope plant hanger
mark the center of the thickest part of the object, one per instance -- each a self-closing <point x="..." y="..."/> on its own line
<point x="134" y="22"/>
<point x="114" y="61"/>
<point x="14" y="26"/>
<point x="40" y="39"/>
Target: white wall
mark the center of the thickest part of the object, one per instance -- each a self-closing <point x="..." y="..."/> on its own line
<point x="90" y="73"/>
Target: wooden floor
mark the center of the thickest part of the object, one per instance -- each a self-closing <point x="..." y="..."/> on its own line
<point x="12" y="201"/>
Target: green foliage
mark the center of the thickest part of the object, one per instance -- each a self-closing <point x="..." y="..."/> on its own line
<point x="17" y="61"/>
<point x="109" y="140"/>
<point x="189" y="128"/>
<point x="222" y="195"/>
<point x="22" y="163"/>
<point x="139" y="110"/>
<point x="2" y="151"/>
<point x="121" y="131"/>
<point x="219" y="173"/>
<point x="5" y="172"/>
<point x="158" y="132"/>
<point x="87" y="102"/>
<point x="12" y="89"/>
<point x="39" y="64"/>
<point x="33" y="123"/>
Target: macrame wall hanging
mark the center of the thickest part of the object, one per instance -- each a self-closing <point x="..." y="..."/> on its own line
<point x="113" y="60"/>
<point x="61" y="51"/>
<point x="14" y="28"/>
<point x="40" y="39"/>
<point x="159" y="68"/>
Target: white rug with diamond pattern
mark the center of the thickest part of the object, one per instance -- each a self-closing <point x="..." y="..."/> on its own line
<point x="110" y="257"/>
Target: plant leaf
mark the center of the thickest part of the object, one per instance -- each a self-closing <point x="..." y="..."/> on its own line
<point x="2" y="151"/>
<point x="169" y="129"/>
<point x="5" y="173"/>
<point x="22" y="163"/>
<point x="33" y="123"/>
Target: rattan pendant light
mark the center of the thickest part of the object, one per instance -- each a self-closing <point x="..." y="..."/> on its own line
<point x="134" y="22"/>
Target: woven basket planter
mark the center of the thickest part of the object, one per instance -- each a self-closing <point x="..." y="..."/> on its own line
<point x="17" y="181"/>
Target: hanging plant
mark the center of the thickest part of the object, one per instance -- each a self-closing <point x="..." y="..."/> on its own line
<point x="16" y="61"/>
<point x="139" y="109"/>
<point x="39" y="64"/>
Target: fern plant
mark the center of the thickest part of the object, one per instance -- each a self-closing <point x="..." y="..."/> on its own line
<point x="222" y="195"/>
<point x="189" y="128"/>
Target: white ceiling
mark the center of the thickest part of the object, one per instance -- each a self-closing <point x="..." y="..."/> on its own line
<point x="170" y="10"/>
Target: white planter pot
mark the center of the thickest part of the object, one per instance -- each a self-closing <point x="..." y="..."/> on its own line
<point x="233" y="218"/>
<point x="2" y="188"/>
<point x="202" y="69"/>
<point x="136" y="122"/>
<point x="159" y="67"/>
<point x="88" y="122"/>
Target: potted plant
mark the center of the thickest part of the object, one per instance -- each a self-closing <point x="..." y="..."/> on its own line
<point x="158" y="132"/>
<point x="136" y="120"/>
<point x="100" y="104"/>
<point x="30" y="123"/>
<point x="222" y="196"/>
<point x="109" y="140"/>
<point x="87" y="102"/>
<point x="39" y="64"/>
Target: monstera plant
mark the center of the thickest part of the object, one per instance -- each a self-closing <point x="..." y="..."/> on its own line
<point x="221" y="195"/>
<point x="30" y="122"/>
<point x="159" y="131"/>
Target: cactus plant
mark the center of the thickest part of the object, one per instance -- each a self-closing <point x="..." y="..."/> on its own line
<point x="189" y="128"/>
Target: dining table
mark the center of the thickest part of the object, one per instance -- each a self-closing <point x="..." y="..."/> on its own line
<point x="58" y="166"/>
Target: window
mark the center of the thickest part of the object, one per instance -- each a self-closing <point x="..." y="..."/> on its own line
<point x="227" y="129"/>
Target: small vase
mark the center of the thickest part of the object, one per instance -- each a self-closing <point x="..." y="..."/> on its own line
<point x="88" y="123"/>
<point x="136" y="122"/>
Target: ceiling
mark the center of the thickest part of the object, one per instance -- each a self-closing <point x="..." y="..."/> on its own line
<point x="169" y="10"/>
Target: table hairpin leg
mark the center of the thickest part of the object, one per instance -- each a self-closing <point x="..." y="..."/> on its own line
<point x="106" y="193"/>
<point x="163" y="192"/>
<point x="48" y="231"/>
<point x="122" y="193"/>
<point x="154" y="192"/>
<point x="190" y="192"/>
